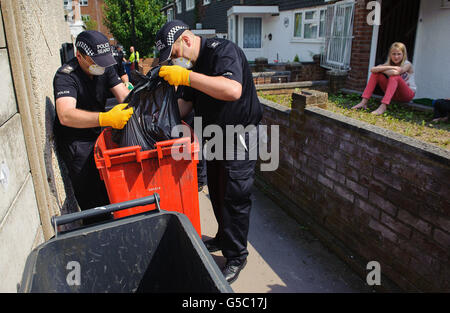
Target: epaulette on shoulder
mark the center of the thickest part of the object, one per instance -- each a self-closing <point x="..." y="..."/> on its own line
<point x="213" y="43"/>
<point x="66" y="69"/>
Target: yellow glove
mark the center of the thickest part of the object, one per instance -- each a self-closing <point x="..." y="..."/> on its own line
<point x="117" y="117"/>
<point x="175" y="75"/>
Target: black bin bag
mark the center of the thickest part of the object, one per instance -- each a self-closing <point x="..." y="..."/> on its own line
<point x="155" y="113"/>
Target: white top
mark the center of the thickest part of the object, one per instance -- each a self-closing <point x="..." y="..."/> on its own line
<point x="409" y="79"/>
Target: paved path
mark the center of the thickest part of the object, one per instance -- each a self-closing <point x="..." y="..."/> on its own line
<point x="283" y="256"/>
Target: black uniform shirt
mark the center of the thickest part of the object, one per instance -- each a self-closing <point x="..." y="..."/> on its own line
<point x="221" y="57"/>
<point x="91" y="95"/>
<point x="118" y="56"/>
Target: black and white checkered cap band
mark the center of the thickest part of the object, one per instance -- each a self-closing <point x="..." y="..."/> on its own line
<point x="172" y="33"/>
<point x="85" y="47"/>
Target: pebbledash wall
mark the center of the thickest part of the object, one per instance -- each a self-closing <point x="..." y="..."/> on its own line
<point x="368" y="193"/>
<point x="31" y="185"/>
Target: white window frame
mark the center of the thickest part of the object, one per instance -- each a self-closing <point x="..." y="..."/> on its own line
<point x="231" y="28"/>
<point x="170" y="14"/>
<point x="179" y="5"/>
<point x="84" y="3"/>
<point x="242" y="32"/>
<point x="206" y="2"/>
<point x="304" y="21"/>
<point x="190" y="5"/>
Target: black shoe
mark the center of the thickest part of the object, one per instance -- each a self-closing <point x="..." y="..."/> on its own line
<point x="212" y="245"/>
<point x="232" y="269"/>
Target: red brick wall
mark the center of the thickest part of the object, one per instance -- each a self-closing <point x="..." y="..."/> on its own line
<point x="310" y="71"/>
<point x="361" y="43"/>
<point x="365" y="195"/>
<point x="95" y="11"/>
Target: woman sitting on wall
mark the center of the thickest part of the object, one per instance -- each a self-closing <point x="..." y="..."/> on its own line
<point x="395" y="77"/>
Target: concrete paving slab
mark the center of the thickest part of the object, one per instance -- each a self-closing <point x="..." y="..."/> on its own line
<point x="283" y="255"/>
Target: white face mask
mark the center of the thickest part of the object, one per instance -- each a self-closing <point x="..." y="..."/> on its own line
<point x="183" y="62"/>
<point x="96" y="70"/>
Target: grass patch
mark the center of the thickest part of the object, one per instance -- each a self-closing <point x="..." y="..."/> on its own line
<point x="398" y="117"/>
<point x="283" y="99"/>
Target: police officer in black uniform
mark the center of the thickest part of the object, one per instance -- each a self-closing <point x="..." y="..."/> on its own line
<point x="221" y="90"/>
<point x="118" y="55"/>
<point x="80" y="88"/>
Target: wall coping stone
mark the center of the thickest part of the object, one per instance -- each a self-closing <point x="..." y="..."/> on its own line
<point x="292" y="85"/>
<point x="275" y="105"/>
<point x="385" y="135"/>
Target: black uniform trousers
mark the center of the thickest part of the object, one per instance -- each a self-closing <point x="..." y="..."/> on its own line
<point x="89" y="189"/>
<point x="229" y="184"/>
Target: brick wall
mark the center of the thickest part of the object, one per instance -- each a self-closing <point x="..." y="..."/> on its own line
<point x="95" y="11"/>
<point x="360" y="56"/>
<point x="309" y="71"/>
<point x="368" y="193"/>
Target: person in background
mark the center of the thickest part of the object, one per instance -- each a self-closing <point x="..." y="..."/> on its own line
<point x="441" y="110"/>
<point x="81" y="87"/>
<point x="120" y="68"/>
<point x="395" y="77"/>
<point x="134" y="59"/>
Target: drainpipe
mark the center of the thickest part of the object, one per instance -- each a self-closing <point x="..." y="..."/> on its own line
<point x="77" y="11"/>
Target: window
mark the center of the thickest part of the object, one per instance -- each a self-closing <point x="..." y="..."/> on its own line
<point x="252" y="32"/>
<point x="85" y="17"/>
<point x="231" y="28"/>
<point x="84" y="3"/>
<point x="190" y="4"/>
<point x="67" y="4"/>
<point x="205" y="2"/>
<point x="338" y="36"/>
<point x="322" y="23"/>
<point x="179" y="8"/>
<point x="309" y="24"/>
<point x="298" y="25"/>
<point x="170" y="15"/>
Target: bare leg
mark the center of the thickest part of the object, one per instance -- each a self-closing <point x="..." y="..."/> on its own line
<point x="362" y="104"/>
<point x="381" y="109"/>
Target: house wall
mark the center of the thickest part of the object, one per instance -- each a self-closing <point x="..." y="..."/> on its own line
<point x="432" y="45"/>
<point x="361" y="47"/>
<point x="95" y="11"/>
<point x="432" y="57"/>
<point x="31" y="188"/>
<point x="282" y="47"/>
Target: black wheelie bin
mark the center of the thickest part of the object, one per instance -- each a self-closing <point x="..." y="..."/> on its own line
<point x="155" y="251"/>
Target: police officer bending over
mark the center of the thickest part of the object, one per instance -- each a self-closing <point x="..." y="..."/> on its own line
<point x="220" y="88"/>
<point x="80" y="88"/>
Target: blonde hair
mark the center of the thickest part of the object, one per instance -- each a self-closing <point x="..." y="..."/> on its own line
<point x="400" y="46"/>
